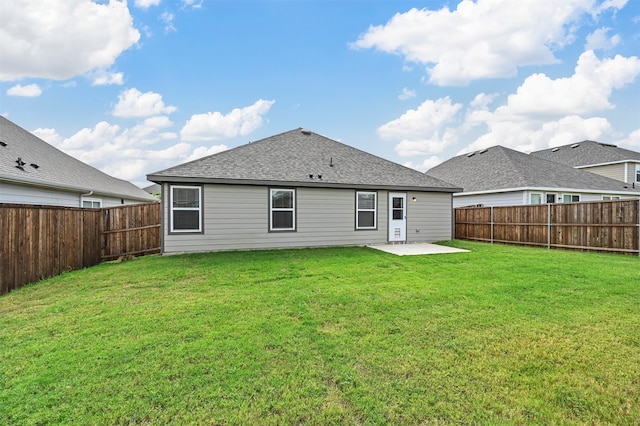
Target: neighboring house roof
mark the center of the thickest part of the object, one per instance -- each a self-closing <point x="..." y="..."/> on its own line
<point x="153" y="188"/>
<point x="588" y="153"/>
<point x="500" y="168"/>
<point x="302" y="158"/>
<point x="48" y="167"/>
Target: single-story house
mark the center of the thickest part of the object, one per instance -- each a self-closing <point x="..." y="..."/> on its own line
<point x="34" y="172"/>
<point x="600" y="158"/>
<point x="500" y="176"/>
<point x="299" y="189"/>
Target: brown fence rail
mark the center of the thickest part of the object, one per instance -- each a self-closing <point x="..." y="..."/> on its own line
<point x="37" y="242"/>
<point x="608" y="226"/>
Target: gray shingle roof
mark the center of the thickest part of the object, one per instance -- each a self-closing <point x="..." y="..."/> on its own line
<point x="587" y="153"/>
<point x="55" y="168"/>
<point x="499" y="168"/>
<point x="290" y="158"/>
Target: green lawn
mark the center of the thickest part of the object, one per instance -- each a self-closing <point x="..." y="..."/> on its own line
<point x="501" y="335"/>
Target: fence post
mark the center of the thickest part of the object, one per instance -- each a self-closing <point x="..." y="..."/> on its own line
<point x="492" y="220"/>
<point x="548" y="226"/>
<point x="638" y="212"/>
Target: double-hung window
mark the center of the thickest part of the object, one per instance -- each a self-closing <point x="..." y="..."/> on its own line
<point x="366" y="212"/>
<point x="186" y="208"/>
<point x="536" y="198"/>
<point x="282" y="209"/>
<point x="90" y="203"/>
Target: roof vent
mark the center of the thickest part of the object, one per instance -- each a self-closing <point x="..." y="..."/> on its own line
<point x="575" y="145"/>
<point x="471" y="154"/>
<point x="20" y="162"/>
<point x="35" y="166"/>
<point x="601" y="144"/>
<point x="305" y="132"/>
<point x="331" y="162"/>
<point x="3" y="143"/>
<point x="483" y="151"/>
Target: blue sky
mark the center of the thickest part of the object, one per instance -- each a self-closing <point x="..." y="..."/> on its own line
<point x="133" y="88"/>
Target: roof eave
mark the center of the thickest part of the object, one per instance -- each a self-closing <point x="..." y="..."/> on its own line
<point x="316" y="184"/>
<point x="550" y="189"/>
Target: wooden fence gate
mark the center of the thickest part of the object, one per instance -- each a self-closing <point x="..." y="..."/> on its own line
<point x="37" y="242"/>
<point x="608" y="226"/>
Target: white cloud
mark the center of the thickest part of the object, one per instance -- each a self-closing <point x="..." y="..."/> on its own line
<point x="167" y="18"/>
<point x="483" y="39"/>
<point x="64" y="38"/>
<point x="419" y="130"/>
<point x="126" y="153"/>
<point x="632" y="141"/>
<point x="406" y="94"/>
<point x="600" y="40"/>
<point x="193" y="4"/>
<point x="103" y="77"/>
<point x="214" y="125"/>
<point x="145" y="4"/>
<point x="425" y="165"/>
<point x="203" y="151"/>
<point x="134" y="103"/>
<point x="587" y="91"/>
<point x="28" y="91"/>
<point x="543" y="113"/>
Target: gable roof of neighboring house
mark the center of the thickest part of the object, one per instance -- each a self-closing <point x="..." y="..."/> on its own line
<point x="588" y="153"/>
<point x="47" y="167"/>
<point x="499" y="168"/>
<point x="301" y="158"/>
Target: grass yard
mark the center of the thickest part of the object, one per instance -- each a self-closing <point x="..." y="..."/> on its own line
<point x="501" y="335"/>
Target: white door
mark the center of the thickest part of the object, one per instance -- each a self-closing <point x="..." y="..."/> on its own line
<point x="397" y="217"/>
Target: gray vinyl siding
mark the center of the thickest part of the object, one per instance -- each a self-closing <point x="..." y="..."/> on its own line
<point x="495" y="199"/>
<point x="25" y="194"/>
<point x="429" y="219"/>
<point x="236" y="217"/>
<point x="613" y="171"/>
<point x="19" y="194"/>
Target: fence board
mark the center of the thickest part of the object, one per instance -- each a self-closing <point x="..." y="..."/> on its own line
<point x="609" y="226"/>
<point x="37" y="242"/>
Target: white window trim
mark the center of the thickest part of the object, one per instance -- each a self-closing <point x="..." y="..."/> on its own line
<point x="198" y="209"/>
<point x="91" y="200"/>
<point x="611" y="197"/>
<point x="374" y="210"/>
<point x="637" y="173"/>
<point x="282" y="209"/>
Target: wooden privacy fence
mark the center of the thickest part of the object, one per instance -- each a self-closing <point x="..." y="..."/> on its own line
<point x="608" y="226"/>
<point x="37" y="242"/>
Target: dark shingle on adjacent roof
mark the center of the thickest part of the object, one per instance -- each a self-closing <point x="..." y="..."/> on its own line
<point x="587" y="153"/>
<point x="55" y="168"/>
<point x="291" y="157"/>
<point x="499" y="168"/>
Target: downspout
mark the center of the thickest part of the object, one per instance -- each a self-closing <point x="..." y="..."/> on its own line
<point x="88" y="194"/>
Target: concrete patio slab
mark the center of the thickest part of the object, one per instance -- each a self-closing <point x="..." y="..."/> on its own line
<point x="416" y="249"/>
